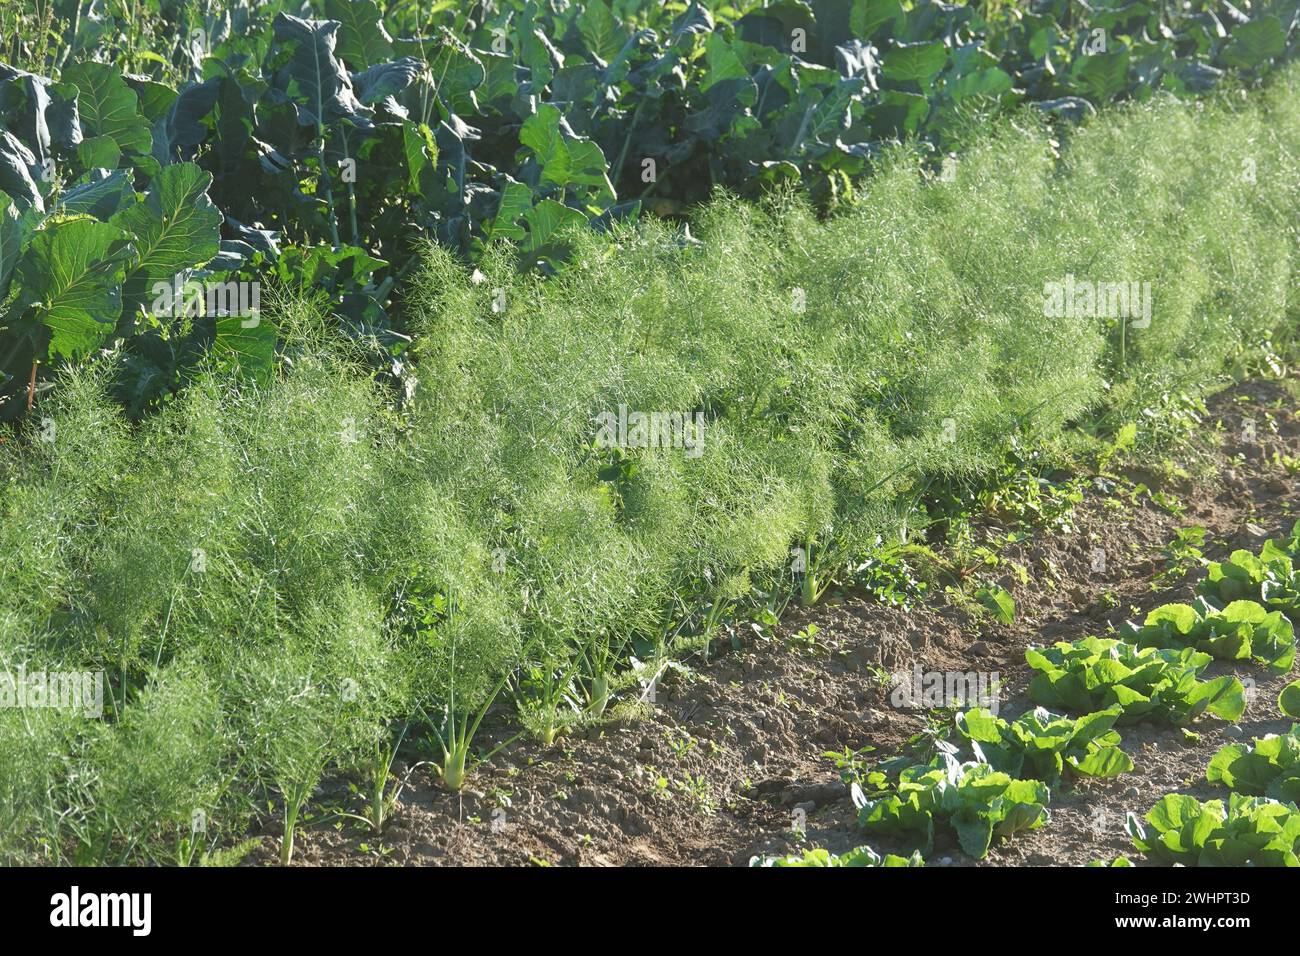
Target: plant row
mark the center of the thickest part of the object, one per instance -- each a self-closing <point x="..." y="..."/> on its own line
<point x="1150" y="674"/>
<point x="320" y="142"/>
<point x="1260" y="823"/>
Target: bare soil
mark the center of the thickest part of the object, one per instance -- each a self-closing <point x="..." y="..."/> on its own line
<point x="731" y="757"/>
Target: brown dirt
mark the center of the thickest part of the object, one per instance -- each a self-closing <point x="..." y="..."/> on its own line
<point x="732" y="754"/>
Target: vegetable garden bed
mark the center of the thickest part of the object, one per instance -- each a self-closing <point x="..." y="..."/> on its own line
<point x="741" y="752"/>
<point x="508" y="521"/>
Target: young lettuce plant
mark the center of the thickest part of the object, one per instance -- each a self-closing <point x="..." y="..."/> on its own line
<point x="1040" y="745"/>
<point x="1249" y="831"/>
<point x="1243" y="630"/>
<point x="1272" y="578"/>
<point x="976" y="801"/>
<point x="1267" y="767"/>
<point x="862" y="856"/>
<point x="1098" y="673"/>
<point x="1288" y="701"/>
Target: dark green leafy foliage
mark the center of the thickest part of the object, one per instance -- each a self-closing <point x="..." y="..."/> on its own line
<point x="100" y="263"/>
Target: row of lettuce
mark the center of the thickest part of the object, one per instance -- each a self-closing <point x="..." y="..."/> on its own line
<point x="290" y="582"/>
<point x="314" y="144"/>
<point x="997" y="782"/>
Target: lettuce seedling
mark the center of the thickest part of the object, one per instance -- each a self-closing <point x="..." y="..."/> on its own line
<point x="1288" y="701"/>
<point x="976" y="801"/>
<point x="1272" y="578"/>
<point x="1039" y="744"/>
<point x="862" y="856"/>
<point x="1267" y="767"/>
<point x="1250" y="831"/>
<point x="1243" y="630"/>
<point x="1156" y="683"/>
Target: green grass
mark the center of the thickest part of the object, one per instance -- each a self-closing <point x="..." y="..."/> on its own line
<point x="274" y="578"/>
